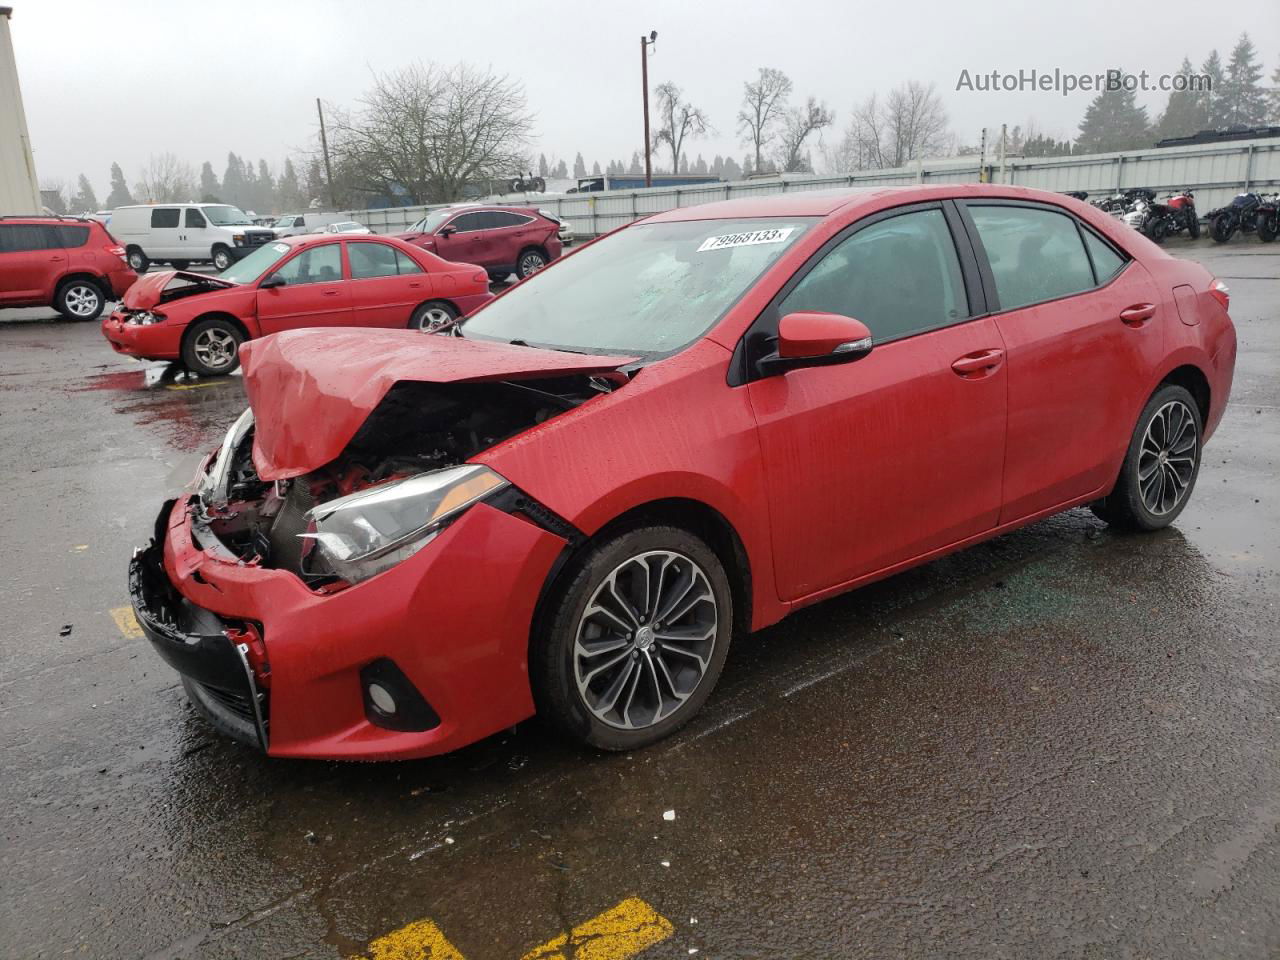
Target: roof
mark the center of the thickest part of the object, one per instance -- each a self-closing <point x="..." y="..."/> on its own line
<point x="822" y="203"/>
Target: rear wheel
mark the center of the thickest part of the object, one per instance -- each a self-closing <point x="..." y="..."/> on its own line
<point x="1220" y="228"/>
<point x="211" y="347"/>
<point x="1193" y="226"/>
<point x="432" y="316"/>
<point x="1268" y="227"/>
<point x="1161" y="465"/>
<point x="138" y="261"/>
<point x="634" y="641"/>
<point x="79" y="300"/>
<point x="530" y="262"/>
<point x="180" y="264"/>
<point x="221" y="258"/>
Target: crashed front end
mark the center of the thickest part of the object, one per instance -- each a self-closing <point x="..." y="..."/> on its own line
<point x="375" y="607"/>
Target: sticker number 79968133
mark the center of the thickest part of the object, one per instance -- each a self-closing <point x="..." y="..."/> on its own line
<point x="747" y="239"/>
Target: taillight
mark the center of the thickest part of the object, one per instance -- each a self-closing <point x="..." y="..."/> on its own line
<point x="1220" y="292"/>
<point x="481" y="277"/>
<point x="117" y="251"/>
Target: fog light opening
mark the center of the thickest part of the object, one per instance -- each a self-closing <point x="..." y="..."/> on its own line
<point x="392" y="702"/>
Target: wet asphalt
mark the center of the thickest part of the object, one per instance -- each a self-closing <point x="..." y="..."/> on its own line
<point x="1061" y="743"/>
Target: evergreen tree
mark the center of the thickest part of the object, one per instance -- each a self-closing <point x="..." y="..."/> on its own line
<point x="1186" y="111"/>
<point x="700" y="165"/>
<point x="561" y="172"/>
<point x="315" y="186"/>
<point x="209" y="187"/>
<point x="637" y="163"/>
<point x="1275" y="96"/>
<point x="543" y="169"/>
<point x="85" y="200"/>
<point x="289" y="193"/>
<point x="579" y="167"/>
<point x="249" y="193"/>
<point x="1244" y="100"/>
<point x="119" y="195"/>
<point x="1211" y="99"/>
<point x="233" y="181"/>
<point x="731" y="170"/>
<point x="266" y="199"/>
<point x="1113" y="121"/>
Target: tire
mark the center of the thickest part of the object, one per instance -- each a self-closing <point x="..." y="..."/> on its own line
<point x="572" y="685"/>
<point x="496" y="277"/>
<point x="1193" y="226"/>
<point x="530" y="262"/>
<point x="1155" y="229"/>
<point x="179" y="264"/>
<point x="1267" y="228"/>
<point x="211" y="347"/>
<point x="221" y="258"/>
<point x="432" y="315"/>
<point x="1221" y="229"/>
<point x="539" y="185"/>
<point x="138" y="261"/>
<point x="79" y="300"/>
<point x="1157" y="449"/>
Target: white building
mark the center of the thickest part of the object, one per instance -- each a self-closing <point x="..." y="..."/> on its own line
<point x="19" y="192"/>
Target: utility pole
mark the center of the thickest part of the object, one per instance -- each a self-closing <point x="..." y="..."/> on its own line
<point x="1004" y="139"/>
<point x="324" y="147"/>
<point x="645" y="43"/>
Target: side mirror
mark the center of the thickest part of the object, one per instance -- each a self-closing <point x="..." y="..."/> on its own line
<point x="273" y="281"/>
<point x="446" y="231"/>
<point x="817" y="340"/>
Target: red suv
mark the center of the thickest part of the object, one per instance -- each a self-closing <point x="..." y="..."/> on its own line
<point x="73" y="265"/>
<point x="503" y="240"/>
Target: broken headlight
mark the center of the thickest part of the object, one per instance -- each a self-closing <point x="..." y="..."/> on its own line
<point x="362" y="534"/>
<point x="145" y="317"/>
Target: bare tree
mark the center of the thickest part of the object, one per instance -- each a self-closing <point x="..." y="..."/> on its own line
<point x="429" y="131"/>
<point x="678" y="120"/>
<point x="165" y="179"/>
<point x="909" y="124"/>
<point x="763" y="104"/>
<point x="798" y="124"/>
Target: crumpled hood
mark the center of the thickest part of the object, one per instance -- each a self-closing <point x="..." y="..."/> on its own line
<point x="145" y="292"/>
<point x="311" y="390"/>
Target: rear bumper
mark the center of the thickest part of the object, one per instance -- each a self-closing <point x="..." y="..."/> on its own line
<point x="157" y="341"/>
<point x="468" y="305"/>
<point x="454" y="619"/>
<point x="120" y="281"/>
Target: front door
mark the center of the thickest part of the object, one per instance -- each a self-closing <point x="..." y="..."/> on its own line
<point x="314" y="293"/>
<point x="878" y="461"/>
<point x="466" y="239"/>
<point x="1080" y="324"/>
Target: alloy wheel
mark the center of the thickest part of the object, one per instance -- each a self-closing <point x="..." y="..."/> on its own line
<point x="82" y="300"/>
<point x="645" y="640"/>
<point x="1167" y="458"/>
<point x="215" y="348"/>
<point x="434" y="319"/>
<point x="531" y="263"/>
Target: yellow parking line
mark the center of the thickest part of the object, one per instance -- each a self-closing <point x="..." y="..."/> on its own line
<point x="624" y="931"/>
<point x="421" y="940"/>
<point x="127" y="622"/>
<point x="193" y="386"/>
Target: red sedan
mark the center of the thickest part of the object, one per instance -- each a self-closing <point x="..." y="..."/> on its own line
<point x="311" y="281"/>
<point x="683" y="432"/>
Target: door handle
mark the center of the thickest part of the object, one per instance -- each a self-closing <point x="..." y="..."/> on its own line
<point x="982" y="363"/>
<point x="328" y="293"/>
<point x="1138" y="314"/>
<point x="56" y="257"/>
<point x="415" y="284"/>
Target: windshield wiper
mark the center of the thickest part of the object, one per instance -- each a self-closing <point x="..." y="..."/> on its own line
<point x="518" y="342"/>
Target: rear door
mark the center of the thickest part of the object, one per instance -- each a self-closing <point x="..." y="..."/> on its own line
<point x="872" y="463"/>
<point x="314" y="293"/>
<point x="1081" y="326"/>
<point x="31" y="257"/>
<point x="512" y="232"/>
<point x="386" y="285"/>
<point x="162" y="242"/>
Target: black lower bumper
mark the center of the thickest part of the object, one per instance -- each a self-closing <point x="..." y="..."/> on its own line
<point x="194" y="641"/>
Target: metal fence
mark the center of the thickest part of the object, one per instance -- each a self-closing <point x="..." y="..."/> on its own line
<point x="1216" y="172"/>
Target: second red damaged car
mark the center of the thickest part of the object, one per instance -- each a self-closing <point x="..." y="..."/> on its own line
<point x="503" y="240"/>
<point x="573" y="503"/>
<point x="311" y="281"/>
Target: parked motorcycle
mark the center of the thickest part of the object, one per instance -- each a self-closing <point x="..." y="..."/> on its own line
<point x="1159" y="220"/>
<point x="527" y="183"/>
<point x="1247" y="213"/>
<point x="1123" y="201"/>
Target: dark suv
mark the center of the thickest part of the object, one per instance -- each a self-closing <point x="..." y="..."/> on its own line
<point x="71" y="264"/>
<point x="502" y="240"/>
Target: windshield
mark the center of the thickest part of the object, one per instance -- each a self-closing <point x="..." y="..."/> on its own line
<point x="285" y="221"/>
<point x="650" y="289"/>
<point x="431" y="221"/>
<point x="225" y="216"/>
<point x="255" y="264"/>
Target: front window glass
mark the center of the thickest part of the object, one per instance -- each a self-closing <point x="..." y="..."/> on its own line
<point x="227" y="216"/>
<point x="255" y="264"/>
<point x="283" y="221"/>
<point x="431" y="222"/>
<point x="193" y="218"/>
<point x="317" y="265"/>
<point x="899" y="276"/>
<point x="648" y="290"/>
<point x="1035" y="255"/>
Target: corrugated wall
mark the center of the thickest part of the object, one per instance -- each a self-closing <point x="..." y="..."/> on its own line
<point x="1216" y="172"/>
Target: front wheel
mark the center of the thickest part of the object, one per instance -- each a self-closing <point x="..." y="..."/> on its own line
<point x="432" y="317"/>
<point x="221" y="258"/>
<point x="1268" y="227"/>
<point x="634" y="641"/>
<point x="1161" y="465"/>
<point x="1155" y="229"/>
<point x="531" y="261"/>
<point x="1221" y="228"/>
<point x="212" y="347"/>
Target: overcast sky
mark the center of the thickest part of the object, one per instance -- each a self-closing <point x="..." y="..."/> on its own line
<point x="124" y="80"/>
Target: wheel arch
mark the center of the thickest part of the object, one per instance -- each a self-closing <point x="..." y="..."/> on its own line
<point x="84" y="276"/>
<point x="1191" y="378"/>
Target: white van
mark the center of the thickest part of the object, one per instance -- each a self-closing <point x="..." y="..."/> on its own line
<point x="185" y="233"/>
<point x="296" y="224"/>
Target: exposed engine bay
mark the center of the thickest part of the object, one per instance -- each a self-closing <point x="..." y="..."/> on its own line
<point x="418" y="428"/>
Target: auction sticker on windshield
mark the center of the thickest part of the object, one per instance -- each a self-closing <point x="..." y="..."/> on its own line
<point x="751" y="237"/>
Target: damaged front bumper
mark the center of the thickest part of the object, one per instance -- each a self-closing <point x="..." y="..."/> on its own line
<point x="451" y="624"/>
<point x="155" y="341"/>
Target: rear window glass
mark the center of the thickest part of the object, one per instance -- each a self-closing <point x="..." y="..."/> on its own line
<point x="1106" y="262"/>
<point x="73" y="236"/>
<point x="1035" y="255"/>
<point x="164" y="217"/>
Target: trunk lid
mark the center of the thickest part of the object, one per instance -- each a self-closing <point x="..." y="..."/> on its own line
<point x="311" y="390"/>
<point x="148" y="290"/>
